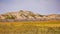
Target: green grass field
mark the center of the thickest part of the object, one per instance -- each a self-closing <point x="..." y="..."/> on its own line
<point x="30" y="27"/>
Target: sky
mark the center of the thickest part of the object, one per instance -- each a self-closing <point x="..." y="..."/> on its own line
<point x="36" y="6"/>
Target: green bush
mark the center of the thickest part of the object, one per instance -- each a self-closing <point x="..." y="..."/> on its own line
<point x="10" y="17"/>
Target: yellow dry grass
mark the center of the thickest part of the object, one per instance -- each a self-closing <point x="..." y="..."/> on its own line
<point x="30" y="27"/>
<point x="34" y="23"/>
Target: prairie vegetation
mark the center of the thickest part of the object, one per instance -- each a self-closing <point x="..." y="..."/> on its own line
<point x="30" y="27"/>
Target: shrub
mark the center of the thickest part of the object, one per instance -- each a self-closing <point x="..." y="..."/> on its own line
<point x="10" y="17"/>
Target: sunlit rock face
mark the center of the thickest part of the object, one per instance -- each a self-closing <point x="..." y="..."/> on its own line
<point x="2" y="17"/>
<point x="25" y="15"/>
<point x="54" y="16"/>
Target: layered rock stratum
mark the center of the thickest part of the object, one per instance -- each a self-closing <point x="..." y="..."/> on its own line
<point x="24" y="15"/>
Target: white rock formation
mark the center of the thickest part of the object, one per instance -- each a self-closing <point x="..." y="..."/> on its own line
<point x="28" y="15"/>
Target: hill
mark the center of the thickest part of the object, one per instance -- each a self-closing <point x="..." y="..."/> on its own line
<point x="24" y="15"/>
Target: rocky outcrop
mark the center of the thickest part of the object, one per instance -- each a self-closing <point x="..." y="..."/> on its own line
<point x="24" y="15"/>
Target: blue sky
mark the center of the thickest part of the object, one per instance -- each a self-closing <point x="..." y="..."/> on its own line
<point x="36" y="6"/>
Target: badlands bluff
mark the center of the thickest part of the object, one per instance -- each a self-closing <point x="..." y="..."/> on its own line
<point x="24" y="15"/>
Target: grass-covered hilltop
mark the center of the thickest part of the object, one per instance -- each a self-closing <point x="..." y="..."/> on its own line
<point x="24" y="15"/>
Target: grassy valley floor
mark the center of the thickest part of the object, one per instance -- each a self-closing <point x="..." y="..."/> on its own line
<point x="30" y="27"/>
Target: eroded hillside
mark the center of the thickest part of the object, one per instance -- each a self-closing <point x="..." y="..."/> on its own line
<point x="24" y="15"/>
